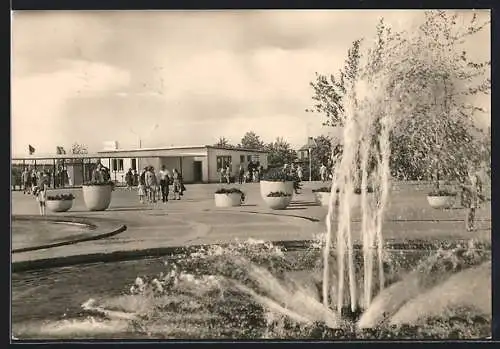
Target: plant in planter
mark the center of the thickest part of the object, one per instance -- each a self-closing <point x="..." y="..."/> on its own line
<point x="322" y="195"/>
<point x="97" y="194"/>
<point x="441" y="198"/>
<point x="229" y="197"/>
<point x="278" y="200"/>
<point x="278" y="180"/>
<point x="59" y="202"/>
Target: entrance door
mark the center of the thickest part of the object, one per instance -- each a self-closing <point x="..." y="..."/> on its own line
<point x="198" y="172"/>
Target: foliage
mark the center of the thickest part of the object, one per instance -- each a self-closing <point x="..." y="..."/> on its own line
<point x="277" y="194"/>
<point x="442" y="192"/>
<point x="427" y="74"/>
<point x="278" y="175"/>
<point x="328" y="189"/>
<point x="280" y="153"/>
<point x="93" y="183"/>
<point x="223" y="142"/>
<point x="231" y="191"/>
<point x="61" y="197"/>
<point x="251" y="141"/>
<point x="329" y="91"/>
<point x="322" y="190"/>
<point x="79" y="149"/>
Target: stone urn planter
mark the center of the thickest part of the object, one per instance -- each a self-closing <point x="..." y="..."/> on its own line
<point x="322" y="196"/>
<point x="441" y="199"/>
<point x="229" y="197"/>
<point x="59" y="203"/>
<point x="267" y="187"/>
<point x="278" y="200"/>
<point x="97" y="197"/>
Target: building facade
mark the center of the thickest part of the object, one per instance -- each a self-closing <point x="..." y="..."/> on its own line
<point x="197" y="164"/>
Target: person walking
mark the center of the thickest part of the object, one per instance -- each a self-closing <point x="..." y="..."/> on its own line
<point x="26" y="180"/>
<point x="222" y="174"/>
<point x="150" y="184"/>
<point x="300" y="172"/>
<point x="129" y="179"/>
<point x="322" y="172"/>
<point x="471" y="197"/>
<point x="164" y="183"/>
<point x="228" y="174"/>
<point x="40" y="191"/>
<point x="176" y="177"/>
<point x="241" y="174"/>
<point x="135" y="178"/>
<point x="141" y="186"/>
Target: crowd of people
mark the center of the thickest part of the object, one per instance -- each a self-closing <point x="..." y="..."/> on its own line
<point x="152" y="186"/>
<point x="251" y="174"/>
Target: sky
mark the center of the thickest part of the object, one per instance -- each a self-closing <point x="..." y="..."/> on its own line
<point x="179" y="77"/>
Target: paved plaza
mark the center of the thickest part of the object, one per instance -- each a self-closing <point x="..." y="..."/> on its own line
<point x="195" y="220"/>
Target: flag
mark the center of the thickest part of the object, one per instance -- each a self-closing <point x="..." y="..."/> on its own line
<point x="60" y="150"/>
<point x="31" y="150"/>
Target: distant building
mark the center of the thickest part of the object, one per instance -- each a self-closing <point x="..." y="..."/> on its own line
<point x="197" y="164"/>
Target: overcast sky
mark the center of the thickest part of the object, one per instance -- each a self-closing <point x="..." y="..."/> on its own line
<point x="91" y="77"/>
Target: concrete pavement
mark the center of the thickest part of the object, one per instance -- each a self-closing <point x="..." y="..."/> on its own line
<point x="195" y="220"/>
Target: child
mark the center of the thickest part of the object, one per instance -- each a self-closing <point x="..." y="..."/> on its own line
<point x="40" y="192"/>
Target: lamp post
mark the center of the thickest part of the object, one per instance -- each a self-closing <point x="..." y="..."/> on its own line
<point x="310" y="143"/>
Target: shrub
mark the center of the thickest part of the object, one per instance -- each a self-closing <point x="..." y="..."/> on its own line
<point x="231" y="191"/>
<point x="61" y="197"/>
<point x="277" y="194"/>
<point x="442" y="192"/>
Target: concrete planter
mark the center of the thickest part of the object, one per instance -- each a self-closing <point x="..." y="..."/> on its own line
<point x="267" y="187"/>
<point x="322" y="198"/>
<point x="441" y="202"/>
<point x="97" y="197"/>
<point x="59" y="205"/>
<point x="228" y="200"/>
<point x="278" y="202"/>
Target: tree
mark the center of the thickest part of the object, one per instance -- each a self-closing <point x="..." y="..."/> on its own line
<point x="79" y="149"/>
<point x="223" y="142"/>
<point x="433" y="131"/>
<point x="329" y="91"/>
<point x="437" y="136"/>
<point x="251" y="141"/>
<point x="280" y="153"/>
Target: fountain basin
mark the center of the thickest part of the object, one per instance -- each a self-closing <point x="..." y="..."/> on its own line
<point x="195" y="308"/>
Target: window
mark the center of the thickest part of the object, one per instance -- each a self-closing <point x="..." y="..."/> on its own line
<point x="133" y="164"/>
<point x="117" y="165"/>
<point x="242" y="158"/>
<point x="249" y="158"/>
<point x="223" y="162"/>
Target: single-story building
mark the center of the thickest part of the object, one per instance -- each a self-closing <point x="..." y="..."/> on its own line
<point x="197" y="164"/>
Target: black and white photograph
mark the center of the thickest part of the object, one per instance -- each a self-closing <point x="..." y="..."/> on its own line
<point x="251" y="175"/>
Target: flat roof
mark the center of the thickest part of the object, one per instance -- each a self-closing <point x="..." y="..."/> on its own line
<point x="119" y="153"/>
<point x="178" y="148"/>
